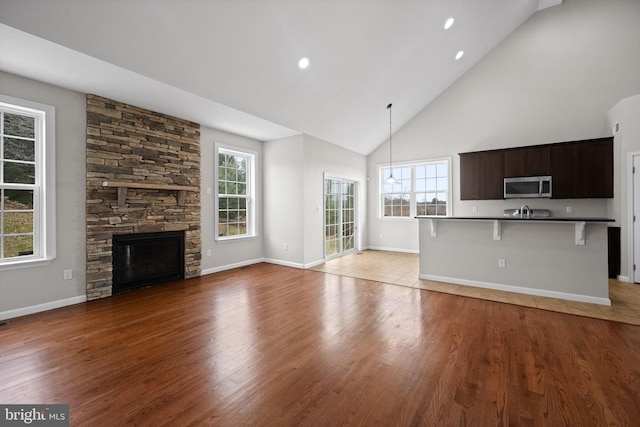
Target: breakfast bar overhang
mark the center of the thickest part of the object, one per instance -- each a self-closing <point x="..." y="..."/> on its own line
<point x="563" y="258"/>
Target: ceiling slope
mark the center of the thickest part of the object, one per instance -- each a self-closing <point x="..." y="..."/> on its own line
<point x="232" y="65"/>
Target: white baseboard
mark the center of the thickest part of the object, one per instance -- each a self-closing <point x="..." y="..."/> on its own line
<point x="285" y="263"/>
<point x="314" y="263"/>
<point x="383" y="248"/>
<point x="624" y="279"/>
<point x="231" y="266"/>
<point x="257" y="261"/>
<point x="519" y="290"/>
<point x="18" y="312"/>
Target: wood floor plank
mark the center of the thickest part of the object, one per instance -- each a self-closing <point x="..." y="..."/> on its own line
<point x="272" y="345"/>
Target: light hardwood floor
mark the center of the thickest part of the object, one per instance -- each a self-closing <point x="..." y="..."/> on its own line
<point x="403" y="269"/>
<point x="268" y="345"/>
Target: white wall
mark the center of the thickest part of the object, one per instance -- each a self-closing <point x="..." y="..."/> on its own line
<point x="230" y="253"/>
<point x="294" y="170"/>
<point x="322" y="157"/>
<point x="23" y="289"/>
<point x="627" y="140"/>
<point x="551" y="80"/>
<point x="283" y="206"/>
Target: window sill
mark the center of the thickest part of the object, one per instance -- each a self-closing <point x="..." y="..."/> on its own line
<point x="396" y="218"/>
<point x="235" y="239"/>
<point x="406" y="218"/>
<point x="15" y="265"/>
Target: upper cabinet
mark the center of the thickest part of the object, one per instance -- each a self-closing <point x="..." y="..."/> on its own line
<point x="582" y="169"/>
<point x="527" y="161"/>
<point x="566" y="171"/>
<point x="597" y="168"/>
<point x="469" y="176"/>
<point x="579" y="169"/>
<point x="482" y="175"/>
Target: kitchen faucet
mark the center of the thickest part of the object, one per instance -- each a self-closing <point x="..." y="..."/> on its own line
<point x="522" y="209"/>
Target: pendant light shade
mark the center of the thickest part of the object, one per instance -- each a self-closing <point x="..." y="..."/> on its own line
<point x="390" y="179"/>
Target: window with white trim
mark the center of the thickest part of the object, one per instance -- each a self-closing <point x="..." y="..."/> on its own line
<point x="27" y="187"/>
<point x="235" y="171"/>
<point x="421" y="189"/>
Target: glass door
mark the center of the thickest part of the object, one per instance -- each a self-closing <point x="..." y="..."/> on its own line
<point x="339" y="217"/>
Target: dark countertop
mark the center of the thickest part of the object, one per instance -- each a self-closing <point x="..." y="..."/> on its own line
<point x="515" y="218"/>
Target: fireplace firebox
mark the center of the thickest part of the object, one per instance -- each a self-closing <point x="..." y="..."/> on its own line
<point x="145" y="259"/>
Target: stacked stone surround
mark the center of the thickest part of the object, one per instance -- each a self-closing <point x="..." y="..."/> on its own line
<point x="130" y="144"/>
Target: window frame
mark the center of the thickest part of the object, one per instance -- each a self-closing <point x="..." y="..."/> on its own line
<point x="44" y="188"/>
<point x="412" y="192"/>
<point x="250" y="197"/>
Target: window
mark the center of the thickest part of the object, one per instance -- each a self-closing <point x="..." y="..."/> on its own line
<point x="422" y="189"/>
<point x="235" y="207"/>
<point x="396" y="198"/>
<point x="27" y="198"/>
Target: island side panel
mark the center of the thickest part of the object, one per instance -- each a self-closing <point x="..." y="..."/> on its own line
<point x="541" y="258"/>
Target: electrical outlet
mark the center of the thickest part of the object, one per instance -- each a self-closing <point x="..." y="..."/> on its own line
<point x="208" y="252"/>
<point x="474" y="209"/>
<point x="569" y="209"/>
<point x="67" y="274"/>
<point x="502" y="263"/>
<point x="285" y="247"/>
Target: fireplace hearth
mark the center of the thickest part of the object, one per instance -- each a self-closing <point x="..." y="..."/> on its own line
<point x="146" y="259"/>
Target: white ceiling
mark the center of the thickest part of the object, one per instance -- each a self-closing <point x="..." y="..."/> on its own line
<point x="232" y="65"/>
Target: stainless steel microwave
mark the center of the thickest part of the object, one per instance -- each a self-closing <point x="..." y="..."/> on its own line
<point x="527" y="187"/>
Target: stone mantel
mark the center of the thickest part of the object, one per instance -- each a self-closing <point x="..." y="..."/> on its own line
<point x="122" y="188"/>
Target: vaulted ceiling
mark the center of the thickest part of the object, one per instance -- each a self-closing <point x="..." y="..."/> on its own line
<point x="233" y="64"/>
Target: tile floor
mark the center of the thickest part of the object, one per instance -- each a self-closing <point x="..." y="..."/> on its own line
<point x="402" y="269"/>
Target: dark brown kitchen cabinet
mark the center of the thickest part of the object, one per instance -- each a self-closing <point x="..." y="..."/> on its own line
<point x="597" y="168"/>
<point x="538" y="162"/>
<point x="566" y="171"/>
<point x="482" y="175"/>
<point x="527" y="161"/>
<point x="514" y="162"/>
<point x="491" y="174"/>
<point x="582" y="169"/>
<point x="469" y="173"/>
<point x="578" y="169"/>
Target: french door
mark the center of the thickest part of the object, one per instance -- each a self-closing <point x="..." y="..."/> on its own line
<point x="340" y="228"/>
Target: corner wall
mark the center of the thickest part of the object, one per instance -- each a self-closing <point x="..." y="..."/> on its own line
<point x="294" y="170"/>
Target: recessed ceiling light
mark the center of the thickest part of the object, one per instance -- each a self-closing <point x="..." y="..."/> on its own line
<point x="303" y="63"/>
<point x="459" y="54"/>
<point x="449" y="23"/>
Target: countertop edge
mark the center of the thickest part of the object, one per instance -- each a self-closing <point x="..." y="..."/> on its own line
<point x="508" y="218"/>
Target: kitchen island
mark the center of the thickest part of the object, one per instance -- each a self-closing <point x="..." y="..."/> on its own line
<point x="557" y="257"/>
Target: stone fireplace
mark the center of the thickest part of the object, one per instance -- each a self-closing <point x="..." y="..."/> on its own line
<point x="143" y="176"/>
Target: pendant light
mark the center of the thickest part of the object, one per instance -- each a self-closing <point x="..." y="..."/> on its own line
<point x="391" y="179"/>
